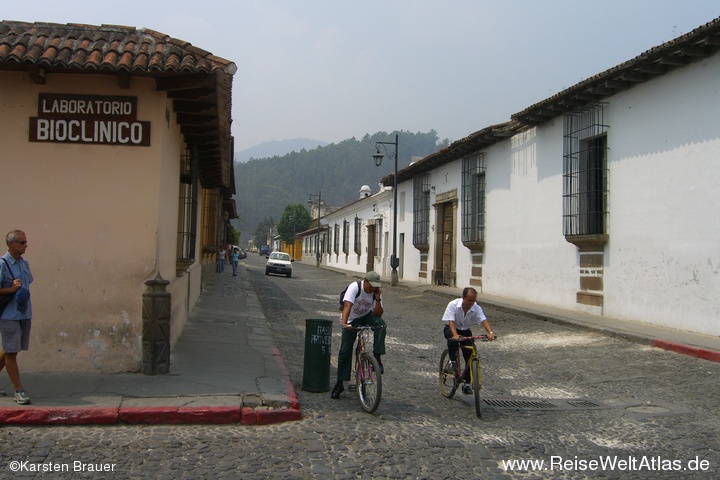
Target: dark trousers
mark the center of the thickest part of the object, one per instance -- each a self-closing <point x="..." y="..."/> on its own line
<point x="347" y="342"/>
<point x="454" y="346"/>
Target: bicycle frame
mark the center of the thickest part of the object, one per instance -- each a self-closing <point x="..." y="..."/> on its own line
<point x="448" y="386"/>
<point x="368" y="380"/>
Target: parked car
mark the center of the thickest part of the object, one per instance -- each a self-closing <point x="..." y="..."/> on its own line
<point x="241" y="253"/>
<point x="279" y="262"/>
<point x="264" y="250"/>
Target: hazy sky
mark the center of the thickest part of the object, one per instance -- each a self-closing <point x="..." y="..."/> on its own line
<point x="336" y="69"/>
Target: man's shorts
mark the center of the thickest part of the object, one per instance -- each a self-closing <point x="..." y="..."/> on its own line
<point x="15" y="335"/>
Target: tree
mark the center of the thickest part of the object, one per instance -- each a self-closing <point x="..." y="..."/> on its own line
<point x="262" y="232"/>
<point x="295" y="218"/>
<point x="233" y="235"/>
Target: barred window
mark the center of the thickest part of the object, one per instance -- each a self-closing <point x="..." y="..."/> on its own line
<point x="336" y="239"/>
<point x="187" y="213"/>
<point x="358" y="236"/>
<point x="473" y="198"/>
<point x="421" y="210"/>
<point x="378" y="237"/>
<point x="585" y="172"/>
<point x="346" y="237"/>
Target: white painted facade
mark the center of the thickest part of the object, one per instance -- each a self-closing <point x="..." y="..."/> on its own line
<point x="372" y="211"/>
<point x="661" y="261"/>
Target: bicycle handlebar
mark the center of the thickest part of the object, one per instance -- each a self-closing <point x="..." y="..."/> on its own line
<point x="484" y="338"/>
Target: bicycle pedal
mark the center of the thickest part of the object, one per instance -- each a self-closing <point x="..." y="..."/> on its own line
<point x="351" y="387"/>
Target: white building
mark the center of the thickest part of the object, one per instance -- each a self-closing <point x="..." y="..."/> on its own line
<point x="601" y="198"/>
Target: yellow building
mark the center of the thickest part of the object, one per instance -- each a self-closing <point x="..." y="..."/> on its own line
<point x="117" y="162"/>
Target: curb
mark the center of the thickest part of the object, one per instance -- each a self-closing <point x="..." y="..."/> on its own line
<point x="146" y="416"/>
<point x="160" y="415"/>
<point x="687" y="350"/>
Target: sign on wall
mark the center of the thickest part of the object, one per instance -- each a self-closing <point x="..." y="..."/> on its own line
<point x="96" y="119"/>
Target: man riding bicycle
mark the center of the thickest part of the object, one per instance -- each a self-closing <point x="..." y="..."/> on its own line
<point x="459" y="315"/>
<point x="362" y="305"/>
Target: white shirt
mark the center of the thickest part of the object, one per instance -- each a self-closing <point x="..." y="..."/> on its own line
<point x="361" y="305"/>
<point x="463" y="321"/>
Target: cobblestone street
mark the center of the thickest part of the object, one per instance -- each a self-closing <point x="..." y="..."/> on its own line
<point x="584" y="398"/>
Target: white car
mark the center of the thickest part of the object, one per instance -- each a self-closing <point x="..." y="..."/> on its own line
<point x="279" y="262"/>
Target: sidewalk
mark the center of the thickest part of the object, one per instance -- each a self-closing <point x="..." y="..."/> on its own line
<point x="224" y="369"/>
<point x="694" y="344"/>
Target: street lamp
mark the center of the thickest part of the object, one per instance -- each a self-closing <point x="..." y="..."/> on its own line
<point x="378" y="157"/>
<point x="317" y="238"/>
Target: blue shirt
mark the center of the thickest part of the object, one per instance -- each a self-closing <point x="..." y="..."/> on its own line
<point x="18" y="269"/>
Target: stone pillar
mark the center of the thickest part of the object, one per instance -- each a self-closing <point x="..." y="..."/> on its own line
<point x="155" y="327"/>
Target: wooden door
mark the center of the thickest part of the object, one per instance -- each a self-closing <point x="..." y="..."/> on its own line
<point x="447" y="244"/>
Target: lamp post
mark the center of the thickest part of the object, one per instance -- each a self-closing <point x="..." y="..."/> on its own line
<point x="317" y="238"/>
<point x="378" y="157"/>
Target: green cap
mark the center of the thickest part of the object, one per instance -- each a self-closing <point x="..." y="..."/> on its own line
<point x="373" y="279"/>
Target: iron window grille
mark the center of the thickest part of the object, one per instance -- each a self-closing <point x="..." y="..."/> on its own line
<point x="421" y="210"/>
<point x="585" y="172"/>
<point x="357" y="247"/>
<point x="336" y="239"/>
<point x="473" y="198"/>
<point x="187" y="221"/>
<point x="346" y="237"/>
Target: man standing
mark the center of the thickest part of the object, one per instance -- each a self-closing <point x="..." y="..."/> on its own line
<point x="15" y="277"/>
<point x="459" y="315"/>
<point x="362" y="305"/>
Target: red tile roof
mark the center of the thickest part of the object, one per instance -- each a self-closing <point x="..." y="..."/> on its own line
<point x="108" y="47"/>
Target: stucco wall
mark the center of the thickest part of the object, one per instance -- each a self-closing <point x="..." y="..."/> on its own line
<point x="97" y="218"/>
<point x="663" y="258"/>
<point x="368" y="209"/>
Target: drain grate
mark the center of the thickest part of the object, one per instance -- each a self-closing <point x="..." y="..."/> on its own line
<point x="583" y="404"/>
<point x="522" y="404"/>
<point x="542" y="404"/>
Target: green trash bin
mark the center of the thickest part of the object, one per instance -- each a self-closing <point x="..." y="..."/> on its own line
<point x="316" y="365"/>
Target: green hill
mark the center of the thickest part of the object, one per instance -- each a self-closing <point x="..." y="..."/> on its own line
<point x="266" y="186"/>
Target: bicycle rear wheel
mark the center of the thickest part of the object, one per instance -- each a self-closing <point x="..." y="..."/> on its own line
<point x="368" y="382"/>
<point x="448" y="381"/>
<point x="476" y="384"/>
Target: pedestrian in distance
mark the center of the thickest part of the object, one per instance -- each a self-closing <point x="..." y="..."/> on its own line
<point x="221" y="260"/>
<point x="15" y="320"/>
<point x="362" y="306"/>
<point x="459" y="315"/>
<point x="234" y="257"/>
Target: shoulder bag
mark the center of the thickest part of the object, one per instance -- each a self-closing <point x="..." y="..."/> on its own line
<point x="6" y="297"/>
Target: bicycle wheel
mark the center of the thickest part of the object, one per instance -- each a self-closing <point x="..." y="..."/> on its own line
<point x="476" y="384"/>
<point x="368" y="382"/>
<point x="448" y="381"/>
